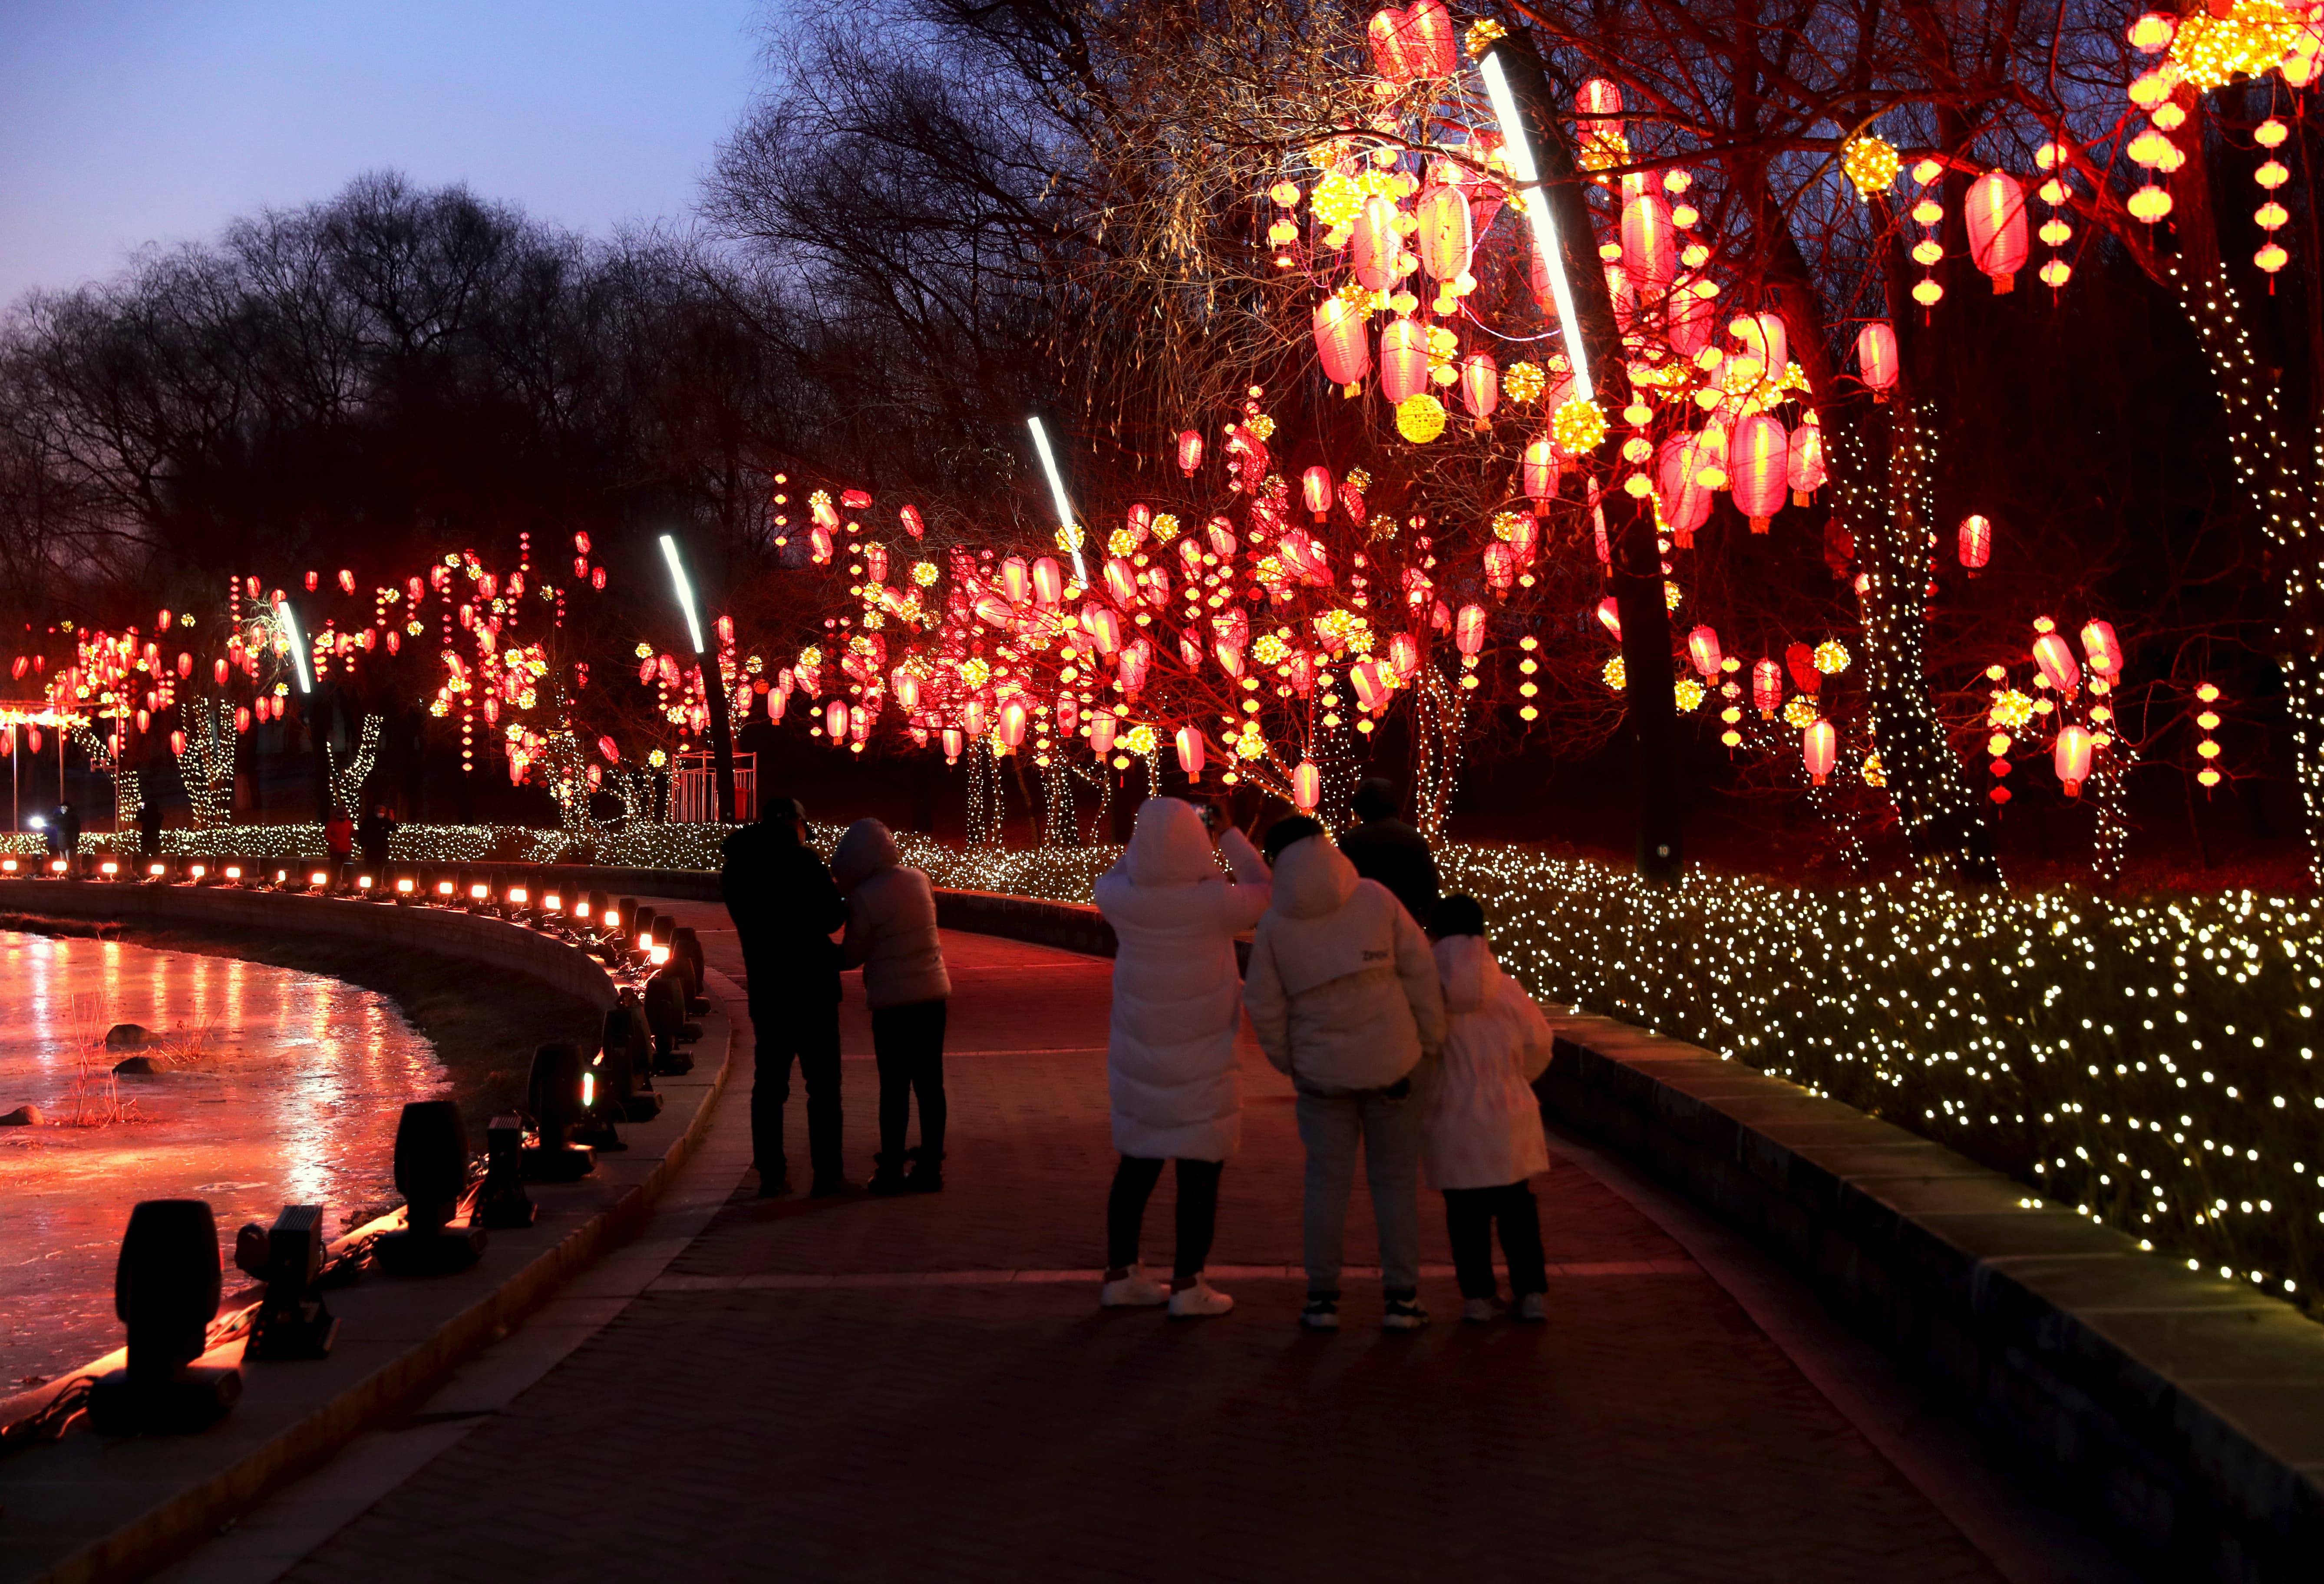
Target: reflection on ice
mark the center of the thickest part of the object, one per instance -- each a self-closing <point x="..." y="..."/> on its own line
<point x="294" y="1101"/>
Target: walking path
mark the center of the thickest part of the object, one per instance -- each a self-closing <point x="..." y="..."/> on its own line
<point x="925" y="1387"/>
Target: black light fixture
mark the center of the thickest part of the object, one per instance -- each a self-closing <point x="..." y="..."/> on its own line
<point x="292" y="1321"/>
<point x="685" y="947"/>
<point x="504" y="1205"/>
<point x="665" y="1008"/>
<point x="554" y="1096"/>
<point x="432" y="1173"/>
<point x="165" y="1290"/>
<point x="589" y="911"/>
<point x="626" y="1059"/>
<point x="640" y="929"/>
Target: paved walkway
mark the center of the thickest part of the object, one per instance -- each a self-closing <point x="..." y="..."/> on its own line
<point x="924" y="1387"/>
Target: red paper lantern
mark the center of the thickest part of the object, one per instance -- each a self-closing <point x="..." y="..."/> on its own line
<point x="218" y="672"/>
<point x="1875" y="357"/>
<point x="1377" y="243"/>
<point x="1102" y="730"/>
<point x="906" y="686"/>
<point x="2055" y="659"/>
<point x="1609" y="614"/>
<point x="1341" y="345"/>
<point x="1012" y="723"/>
<point x="1702" y="648"/>
<point x="1306" y="787"/>
<point x="1976" y="543"/>
<point x="1687" y="319"/>
<point x="1649" y="244"/>
<point x="1468" y="630"/>
<point x="1445" y="234"/>
<point x="1069" y="714"/>
<point x="1806" y="468"/>
<point x="1800" y="660"/>
<point x="1500" y="566"/>
<point x="1103" y="627"/>
<point x="1481" y="385"/>
<point x="1762" y="336"/>
<point x="1767" y="687"/>
<point x="972" y="717"/>
<point x="2105" y="651"/>
<point x="1760" y="466"/>
<point x="1819" y="747"/>
<point x="1684" y="502"/>
<point x="177" y="742"/>
<point x="1537" y="472"/>
<point x="952" y="743"/>
<point x="1995" y="212"/>
<point x="910" y="515"/>
<point x="1404" y="360"/>
<point x="1190" y="752"/>
<point x="1315" y="489"/>
<point x="1048" y="581"/>
<point x="2071" y="757"/>
<point x="1190" y="449"/>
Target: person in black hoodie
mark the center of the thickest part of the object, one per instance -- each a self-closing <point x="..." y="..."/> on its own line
<point x="1384" y="848"/>
<point x="785" y="906"/>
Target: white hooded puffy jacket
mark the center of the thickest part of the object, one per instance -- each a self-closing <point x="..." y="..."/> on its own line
<point x="1341" y="989"/>
<point x="1170" y="1061"/>
<point x="891" y="920"/>
<point x="1484" y="1130"/>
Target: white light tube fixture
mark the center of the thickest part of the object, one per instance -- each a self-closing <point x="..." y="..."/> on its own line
<point x="684" y="591"/>
<point x="284" y="614"/>
<point x="1535" y="204"/>
<point x="1057" y="493"/>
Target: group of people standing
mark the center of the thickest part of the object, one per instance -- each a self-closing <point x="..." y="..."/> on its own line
<point x="1378" y="997"/>
<point x="1417" y="1054"/>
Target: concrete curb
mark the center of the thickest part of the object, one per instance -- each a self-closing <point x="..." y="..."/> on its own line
<point x="2185" y="1409"/>
<point x="89" y="1511"/>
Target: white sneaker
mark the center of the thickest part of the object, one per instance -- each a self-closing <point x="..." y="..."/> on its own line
<point x="1533" y="1308"/>
<point x="1481" y="1311"/>
<point x="1135" y="1291"/>
<point x="1403" y="1314"/>
<point x="1200" y="1299"/>
<point x="1322" y="1314"/>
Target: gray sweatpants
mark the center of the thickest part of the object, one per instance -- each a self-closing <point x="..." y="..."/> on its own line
<point x="1330" y="1125"/>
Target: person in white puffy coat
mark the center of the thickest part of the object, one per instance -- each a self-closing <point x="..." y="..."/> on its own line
<point x="1483" y="1138"/>
<point x="1170" y="1055"/>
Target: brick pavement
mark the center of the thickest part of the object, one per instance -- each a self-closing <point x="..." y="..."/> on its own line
<point x="978" y="1427"/>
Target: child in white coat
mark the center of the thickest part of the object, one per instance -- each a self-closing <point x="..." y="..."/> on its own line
<point x="1484" y="1137"/>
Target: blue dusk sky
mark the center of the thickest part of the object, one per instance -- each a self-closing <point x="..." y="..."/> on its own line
<point x="128" y="122"/>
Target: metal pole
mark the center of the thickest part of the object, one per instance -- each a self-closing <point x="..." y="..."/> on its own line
<point x="714" y="685"/>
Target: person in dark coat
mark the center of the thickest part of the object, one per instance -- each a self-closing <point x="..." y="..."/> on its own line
<point x="149" y="828"/>
<point x="372" y="834"/>
<point x="1384" y="848"/>
<point x="785" y="907"/>
<point x="65" y="832"/>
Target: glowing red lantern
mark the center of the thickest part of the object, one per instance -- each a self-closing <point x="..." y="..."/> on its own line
<point x="1135" y="662"/>
<point x="1103" y="627"/>
<point x="1767" y="687"/>
<point x="1800" y="660"/>
<point x="972" y="717"/>
<point x="1468" y="630"/>
<point x="314" y="580"/>
<point x="177" y="742"/>
<point x="993" y="609"/>
<point x="1759" y="468"/>
<point x="2055" y="659"/>
<point x="1976" y="543"/>
<point x="1190" y="752"/>
<point x="952" y="743"/>
<point x="597" y="577"/>
<point x="1875" y="357"/>
<point x="1315" y="489"/>
<point x="1679" y="492"/>
<point x="218" y="672"/>
<point x="1371" y="679"/>
<point x="1445" y="234"/>
<point x="1819" y="747"/>
<point x="910" y="517"/>
<point x="907" y="688"/>
<point x="1525" y="537"/>
<point x="1102" y="730"/>
<point x="33" y="739"/>
<point x="1016" y="579"/>
<point x="1995" y="212"/>
<point x="1048" y="581"/>
<point x="2099" y="644"/>
<point x="1537" y="472"/>
<point x="1341" y="343"/>
<point x="1762" y="336"/>
<point x="1377" y="243"/>
<point x="1609" y="614"/>
<point x="1702" y="648"/>
<point x="1190" y="451"/>
<point x="144" y="719"/>
<point x="1012" y="723"/>
<point x="1306" y="787"/>
<point x="394" y="640"/>
<point x="1404" y="359"/>
<point x="1806" y="468"/>
<point x="875" y="565"/>
<point x="1121" y="581"/>
<point x="185" y="664"/>
<point x="1500" y="566"/>
<point x="1687" y="318"/>
<point x="1069" y="714"/>
<point x="1481" y="385"/>
<point x="2071" y="757"/>
<point x="1649" y="244"/>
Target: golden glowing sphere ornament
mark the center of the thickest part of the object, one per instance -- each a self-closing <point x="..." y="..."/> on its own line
<point x="1871" y="163"/>
<point x="1579" y="426"/>
<point x="1420" y="417"/>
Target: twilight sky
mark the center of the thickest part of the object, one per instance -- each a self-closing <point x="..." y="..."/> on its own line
<point x="124" y="121"/>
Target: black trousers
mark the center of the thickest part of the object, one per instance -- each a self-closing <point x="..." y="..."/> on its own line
<point x="907" y="1043"/>
<point x="1198" y="1211"/>
<point x="789" y="1022"/>
<point x="1470" y="1214"/>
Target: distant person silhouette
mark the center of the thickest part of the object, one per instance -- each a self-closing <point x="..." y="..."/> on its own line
<point x="1383" y="847"/>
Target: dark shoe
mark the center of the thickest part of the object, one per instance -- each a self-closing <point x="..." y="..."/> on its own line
<point x="889" y="1178"/>
<point x="926" y="1174"/>
<point x="830" y="1188"/>
<point x="775" y="1186"/>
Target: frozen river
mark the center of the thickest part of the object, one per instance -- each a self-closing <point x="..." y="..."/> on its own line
<point x="274" y="1088"/>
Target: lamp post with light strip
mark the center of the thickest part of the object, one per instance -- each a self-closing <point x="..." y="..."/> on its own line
<point x="1550" y="196"/>
<point x="714" y="685"/>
